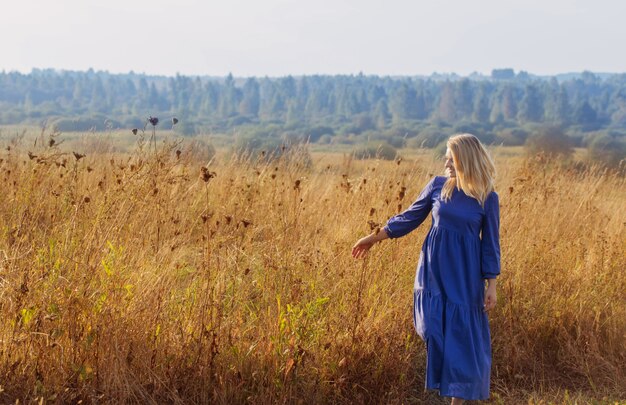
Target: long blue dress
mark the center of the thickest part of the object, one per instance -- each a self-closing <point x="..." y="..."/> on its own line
<point x="461" y="250"/>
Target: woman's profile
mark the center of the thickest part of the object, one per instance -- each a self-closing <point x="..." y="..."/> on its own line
<point x="460" y="255"/>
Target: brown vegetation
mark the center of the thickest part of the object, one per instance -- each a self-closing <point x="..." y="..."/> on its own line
<point x="156" y="278"/>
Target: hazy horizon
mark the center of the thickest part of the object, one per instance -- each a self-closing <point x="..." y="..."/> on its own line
<point x="443" y="74"/>
<point x="283" y="37"/>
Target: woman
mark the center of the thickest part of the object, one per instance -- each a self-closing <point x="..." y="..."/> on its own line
<point x="460" y="254"/>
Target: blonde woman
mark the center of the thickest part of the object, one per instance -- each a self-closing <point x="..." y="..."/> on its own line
<point x="456" y="275"/>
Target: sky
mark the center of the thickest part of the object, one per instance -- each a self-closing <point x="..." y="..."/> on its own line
<point x="282" y="37"/>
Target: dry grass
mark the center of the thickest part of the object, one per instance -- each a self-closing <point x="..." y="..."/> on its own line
<point x="144" y="278"/>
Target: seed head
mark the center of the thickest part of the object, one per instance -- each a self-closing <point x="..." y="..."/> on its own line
<point x="207" y="175"/>
<point x="401" y="193"/>
<point x="134" y="131"/>
<point x="153" y="120"/>
<point x="174" y="120"/>
<point x="373" y="225"/>
<point x="78" y="156"/>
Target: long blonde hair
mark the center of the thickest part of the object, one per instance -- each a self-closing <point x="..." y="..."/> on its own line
<point x="475" y="171"/>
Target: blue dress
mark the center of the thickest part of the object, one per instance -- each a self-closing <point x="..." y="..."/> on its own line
<point x="461" y="250"/>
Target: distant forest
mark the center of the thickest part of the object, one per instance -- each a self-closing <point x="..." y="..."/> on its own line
<point x="501" y="108"/>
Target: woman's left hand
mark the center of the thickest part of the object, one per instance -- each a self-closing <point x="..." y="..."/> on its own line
<point x="490" y="296"/>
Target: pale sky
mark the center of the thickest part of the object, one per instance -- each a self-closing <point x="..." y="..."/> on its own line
<point x="281" y="37"/>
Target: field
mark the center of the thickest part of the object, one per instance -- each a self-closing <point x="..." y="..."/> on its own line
<point x="159" y="277"/>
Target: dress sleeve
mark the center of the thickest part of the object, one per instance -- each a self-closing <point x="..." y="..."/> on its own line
<point x="410" y="219"/>
<point x="490" y="239"/>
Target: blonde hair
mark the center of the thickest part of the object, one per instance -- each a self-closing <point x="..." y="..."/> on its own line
<point x="475" y="171"/>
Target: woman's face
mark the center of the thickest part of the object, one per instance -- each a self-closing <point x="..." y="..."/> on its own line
<point x="450" y="172"/>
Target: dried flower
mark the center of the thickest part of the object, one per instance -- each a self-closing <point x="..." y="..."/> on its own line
<point x="174" y="120"/>
<point x="134" y="131"/>
<point x="207" y="175"/>
<point x="373" y="225"/>
<point x="153" y="120"/>
<point x="401" y="193"/>
<point x="78" y="156"/>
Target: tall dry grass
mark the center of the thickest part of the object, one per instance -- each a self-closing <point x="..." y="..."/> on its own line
<point x="157" y="278"/>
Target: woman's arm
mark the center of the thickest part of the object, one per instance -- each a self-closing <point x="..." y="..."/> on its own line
<point x="413" y="216"/>
<point x="490" y="249"/>
<point x="490" y="238"/>
<point x="400" y="224"/>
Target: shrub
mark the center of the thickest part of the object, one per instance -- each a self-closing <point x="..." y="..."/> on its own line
<point x="325" y="139"/>
<point x="270" y="148"/>
<point x="317" y="132"/>
<point x="377" y="137"/>
<point x="378" y="150"/>
<point x="513" y="136"/>
<point x="550" y="140"/>
<point x="428" y="138"/>
<point x="84" y="124"/>
<point x="607" y="150"/>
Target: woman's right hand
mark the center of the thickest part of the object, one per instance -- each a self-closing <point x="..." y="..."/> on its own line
<point x="361" y="247"/>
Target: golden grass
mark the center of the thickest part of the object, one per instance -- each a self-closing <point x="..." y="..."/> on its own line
<point x="143" y="278"/>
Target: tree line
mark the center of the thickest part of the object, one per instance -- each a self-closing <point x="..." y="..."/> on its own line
<point x="340" y="105"/>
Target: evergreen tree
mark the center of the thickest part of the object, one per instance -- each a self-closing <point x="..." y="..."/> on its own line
<point x="251" y="98"/>
<point x="404" y="103"/>
<point x="446" y="110"/>
<point x="481" y="105"/>
<point x="585" y="114"/>
<point x="531" y="106"/>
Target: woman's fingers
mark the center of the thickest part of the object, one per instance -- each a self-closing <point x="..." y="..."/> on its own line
<point x="359" y="250"/>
